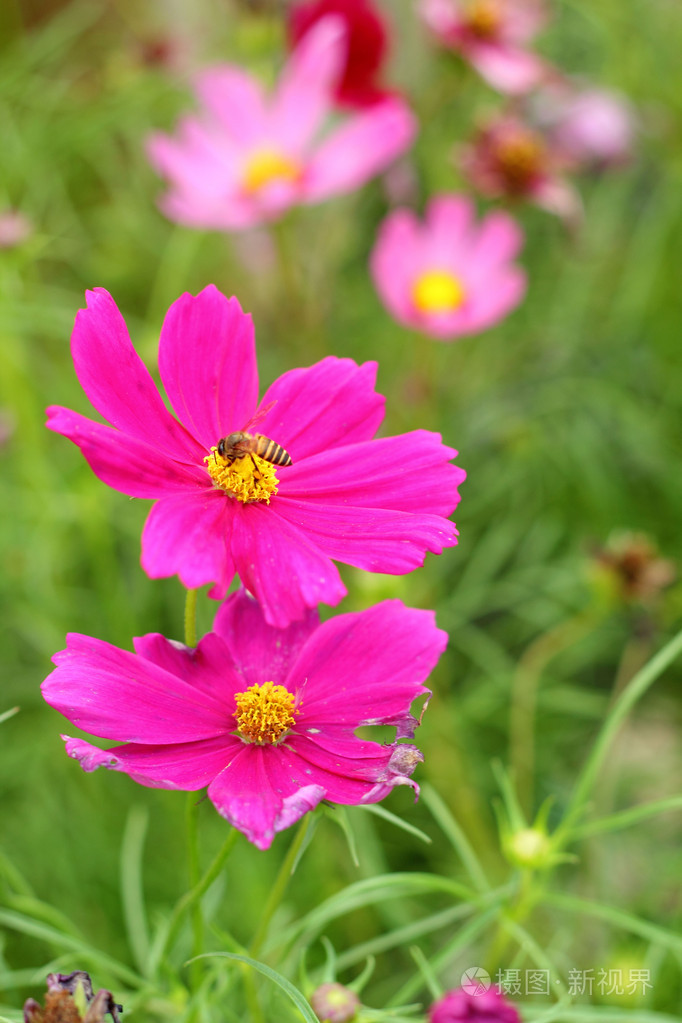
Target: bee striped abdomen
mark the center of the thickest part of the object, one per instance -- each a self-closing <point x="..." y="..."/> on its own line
<point x="271" y="451"/>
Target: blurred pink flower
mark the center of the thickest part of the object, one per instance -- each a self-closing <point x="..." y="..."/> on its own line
<point x="246" y="159"/>
<point x="508" y="158"/>
<point x="593" y="127"/>
<point x="448" y="276"/>
<point x="367" y="45"/>
<point x="377" y="504"/>
<point x="15" y="228"/>
<point x="483" y="1007"/>
<point x="265" y="717"/>
<point x="494" y="36"/>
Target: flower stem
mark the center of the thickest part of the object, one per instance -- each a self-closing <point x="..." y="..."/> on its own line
<point x="194" y="894"/>
<point x="191" y="618"/>
<point x="279" y="887"/>
<point x="196" y="915"/>
<point x="525" y="687"/>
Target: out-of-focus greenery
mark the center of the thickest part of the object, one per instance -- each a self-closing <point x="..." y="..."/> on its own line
<point x="567" y="417"/>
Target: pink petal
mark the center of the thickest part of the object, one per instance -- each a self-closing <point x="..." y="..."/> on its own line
<point x="256" y="794"/>
<point x="187" y="766"/>
<point x="208" y="667"/>
<point x="117" y="382"/>
<point x="506" y="68"/>
<point x="236" y="100"/>
<point x="396" y="258"/>
<point x="503" y="293"/>
<point x="117" y="695"/>
<point x="449" y="227"/>
<point x="347" y="683"/>
<point x="207" y="361"/>
<point x="262" y="653"/>
<point x="233" y="213"/>
<point x="411" y="472"/>
<point x="499" y="240"/>
<point x="305" y="92"/>
<point x="360" y="149"/>
<point x="330" y="403"/>
<point x="281" y="567"/>
<point x="375" y="539"/>
<point x="122" y="462"/>
<point x="349" y="779"/>
<point x="189" y="535"/>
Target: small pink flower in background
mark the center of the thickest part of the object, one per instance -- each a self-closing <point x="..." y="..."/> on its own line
<point x="510" y="159"/>
<point x="15" y="228"/>
<point x="494" y="36"/>
<point x="484" y="1007"/>
<point x="359" y="85"/>
<point x="264" y="717"/>
<point x="589" y="127"/>
<point x="448" y="276"/>
<point x="247" y="158"/>
<point x="377" y="504"/>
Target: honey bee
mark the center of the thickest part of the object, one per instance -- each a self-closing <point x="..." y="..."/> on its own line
<point x="241" y="444"/>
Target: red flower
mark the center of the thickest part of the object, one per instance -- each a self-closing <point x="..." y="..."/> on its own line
<point x="367" y="45"/>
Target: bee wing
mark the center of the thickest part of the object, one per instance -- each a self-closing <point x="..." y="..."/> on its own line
<point x="260" y="414"/>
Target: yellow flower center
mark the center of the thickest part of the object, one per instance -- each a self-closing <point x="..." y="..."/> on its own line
<point x="520" y="158"/>
<point x="437" y="291"/>
<point x="248" y="478"/>
<point x="483" y="18"/>
<point x="264" y="713"/>
<point x="266" y="166"/>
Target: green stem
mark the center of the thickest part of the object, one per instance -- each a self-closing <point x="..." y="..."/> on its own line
<point x="634" y="690"/>
<point x="196" y="915"/>
<point x="279" y="887"/>
<point x="525" y="687"/>
<point x="191" y="618"/>
<point x="191" y="897"/>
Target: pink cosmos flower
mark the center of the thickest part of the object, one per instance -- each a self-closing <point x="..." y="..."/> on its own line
<point x="593" y="127"/>
<point x="367" y="49"/>
<point x="509" y="158"/>
<point x="494" y="36"/>
<point x="265" y="717"/>
<point x="377" y="504"/>
<point x="246" y="158"/>
<point x="448" y="276"/>
<point x="482" y="1007"/>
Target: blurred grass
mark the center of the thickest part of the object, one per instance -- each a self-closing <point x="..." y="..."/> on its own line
<point x="567" y="417"/>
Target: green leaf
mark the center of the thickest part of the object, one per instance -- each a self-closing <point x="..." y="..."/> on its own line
<point x="6" y="715"/>
<point x="626" y="818"/>
<point x="617" y="917"/>
<point x="452" y="830"/>
<point x="132" y="893"/>
<point x="286" y="986"/>
<point x="380" y="811"/>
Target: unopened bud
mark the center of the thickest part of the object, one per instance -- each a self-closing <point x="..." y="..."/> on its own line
<point x="334" y="1002"/>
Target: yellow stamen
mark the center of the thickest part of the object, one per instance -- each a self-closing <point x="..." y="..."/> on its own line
<point x="265" y="712"/>
<point x="266" y="166"/>
<point x="520" y="157"/>
<point x="483" y="18"/>
<point x="437" y="291"/>
<point x="249" y="478"/>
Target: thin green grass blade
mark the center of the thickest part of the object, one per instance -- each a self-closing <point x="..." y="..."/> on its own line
<point x="286" y="986"/>
<point x="626" y="818"/>
<point x="398" y="822"/>
<point x="618" y="918"/>
<point x="454" y="833"/>
<point x="132" y="892"/>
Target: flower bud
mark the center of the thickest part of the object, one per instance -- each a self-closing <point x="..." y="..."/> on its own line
<point x="334" y="1002"/>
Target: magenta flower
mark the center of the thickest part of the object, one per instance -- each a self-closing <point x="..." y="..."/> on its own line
<point x="264" y="717"/>
<point x="480" y="1007"/>
<point x="376" y="504"/>
<point x="494" y="36"/>
<point x="246" y="159"/>
<point x="509" y="158"/>
<point x="448" y="276"/>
